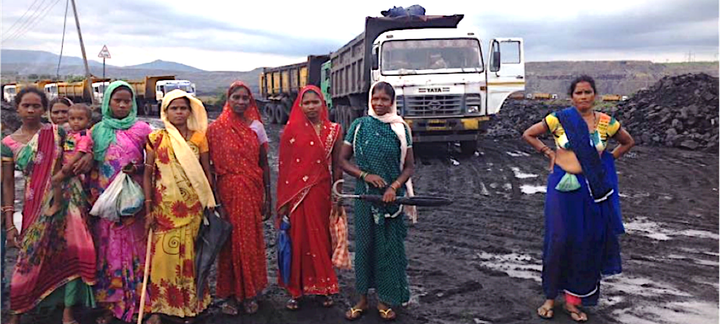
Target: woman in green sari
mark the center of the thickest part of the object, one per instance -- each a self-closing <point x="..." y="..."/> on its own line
<point x="382" y="145"/>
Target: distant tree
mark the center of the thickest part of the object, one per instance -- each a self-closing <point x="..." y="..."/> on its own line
<point x="46" y="77"/>
<point x="32" y="77"/>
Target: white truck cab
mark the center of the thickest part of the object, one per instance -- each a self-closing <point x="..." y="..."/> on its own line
<point x="51" y="91"/>
<point x="99" y="90"/>
<point x="9" y="92"/>
<point x="164" y="86"/>
<point x="444" y="84"/>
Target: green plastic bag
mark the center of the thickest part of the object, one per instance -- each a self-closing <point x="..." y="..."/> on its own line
<point x="569" y="182"/>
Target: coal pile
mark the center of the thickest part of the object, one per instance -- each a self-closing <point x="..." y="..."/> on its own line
<point x="516" y="116"/>
<point x="678" y="111"/>
<point x="10" y="120"/>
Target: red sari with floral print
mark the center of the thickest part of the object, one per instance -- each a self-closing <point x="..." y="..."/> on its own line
<point x="235" y="153"/>
<point x="304" y="183"/>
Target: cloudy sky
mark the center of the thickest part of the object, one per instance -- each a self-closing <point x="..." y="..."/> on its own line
<point x="242" y="35"/>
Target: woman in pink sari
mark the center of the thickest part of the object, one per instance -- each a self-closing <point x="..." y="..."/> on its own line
<point x="56" y="261"/>
<point x="119" y="147"/>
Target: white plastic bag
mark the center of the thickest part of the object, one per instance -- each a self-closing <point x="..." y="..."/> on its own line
<point x="106" y="205"/>
<point x="131" y="198"/>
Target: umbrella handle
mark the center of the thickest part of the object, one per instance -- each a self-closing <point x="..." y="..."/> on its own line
<point x="338" y="194"/>
<point x="145" y="276"/>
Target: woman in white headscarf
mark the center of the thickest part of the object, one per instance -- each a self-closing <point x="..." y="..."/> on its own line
<point x="177" y="191"/>
<point x="382" y="145"/>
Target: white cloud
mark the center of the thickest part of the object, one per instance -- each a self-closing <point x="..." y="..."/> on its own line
<point x="241" y="35"/>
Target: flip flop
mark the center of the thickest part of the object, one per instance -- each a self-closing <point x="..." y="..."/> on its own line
<point x="579" y="313"/>
<point x="292" y="304"/>
<point x="251" y="307"/>
<point x="327" y="301"/>
<point x="387" y="315"/>
<point x="353" y="311"/>
<point x="229" y="309"/>
<point x="548" y="311"/>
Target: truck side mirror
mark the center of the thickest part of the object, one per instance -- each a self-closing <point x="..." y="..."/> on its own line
<point x="495" y="64"/>
<point x="375" y="59"/>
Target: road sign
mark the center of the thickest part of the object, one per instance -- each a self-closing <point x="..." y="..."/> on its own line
<point x="104" y="53"/>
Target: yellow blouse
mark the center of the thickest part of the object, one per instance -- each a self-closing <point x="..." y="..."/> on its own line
<point x="606" y="128"/>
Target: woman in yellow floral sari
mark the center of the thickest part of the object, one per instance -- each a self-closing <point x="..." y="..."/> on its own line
<point x="177" y="191"/>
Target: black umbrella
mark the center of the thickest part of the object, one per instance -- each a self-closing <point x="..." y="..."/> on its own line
<point x="413" y="201"/>
<point x="214" y="231"/>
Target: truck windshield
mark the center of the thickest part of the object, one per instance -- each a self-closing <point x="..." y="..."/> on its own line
<point x="429" y="55"/>
<point x="184" y="87"/>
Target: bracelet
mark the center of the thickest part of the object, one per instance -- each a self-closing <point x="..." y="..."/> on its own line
<point x="8" y="209"/>
<point x="544" y="149"/>
<point x="363" y="174"/>
<point x="398" y="185"/>
<point x="11" y="228"/>
<point x="148" y="201"/>
<point x="149" y="165"/>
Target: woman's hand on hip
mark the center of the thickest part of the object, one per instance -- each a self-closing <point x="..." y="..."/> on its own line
<point x="375" y="180"/>
<point x="550" y="154"/>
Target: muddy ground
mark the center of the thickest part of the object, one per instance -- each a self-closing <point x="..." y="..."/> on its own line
<point x="479" y="260"/>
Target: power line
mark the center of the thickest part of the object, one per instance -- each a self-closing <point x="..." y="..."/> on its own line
<point x="38" y="19"/>
<point x="21" y="17"/>
<point x="62" y="43"/>
<point x="27" y="21"/>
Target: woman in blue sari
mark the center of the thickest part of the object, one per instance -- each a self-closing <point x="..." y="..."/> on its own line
<point x="582" y="206"/>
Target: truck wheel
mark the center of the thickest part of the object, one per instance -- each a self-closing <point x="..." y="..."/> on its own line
<point x="268" y="113"/>
<point x="468" y="148"/>
<point x="278" y="113"/>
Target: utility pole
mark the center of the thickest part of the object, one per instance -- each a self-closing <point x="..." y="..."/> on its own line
<point x="88" y="76"/>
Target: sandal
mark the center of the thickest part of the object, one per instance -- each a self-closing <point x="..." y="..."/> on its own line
<point x="576" y="315"/>
<point x="545" y="312"/>
<point x="229" y="308"/>
<point x="292" y="304"/>
<point x="327" y="301"/>
<point x="153" y="319"/>
<point x="387" y="314"/>
<point x="251" y="307"/>
<point x="350" y="315"/>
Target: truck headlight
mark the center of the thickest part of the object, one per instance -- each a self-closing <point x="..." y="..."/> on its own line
<point x="473" y="109"/>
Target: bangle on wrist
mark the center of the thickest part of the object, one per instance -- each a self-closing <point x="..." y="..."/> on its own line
<point x="363" y="174"/>
<point x="11" y="228"/>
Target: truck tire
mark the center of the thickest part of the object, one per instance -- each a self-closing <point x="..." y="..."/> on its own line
<point x="468" y="148"/>
<point x="278" y="112"/>
<point x="268" y="113"/>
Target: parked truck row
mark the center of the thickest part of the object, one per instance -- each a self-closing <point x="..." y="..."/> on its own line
<point x="149" y="91"/>
<point x="447" y="87"/>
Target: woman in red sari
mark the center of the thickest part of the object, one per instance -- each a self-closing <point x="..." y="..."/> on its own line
<point x="238" y="150"/>
<point x="309" y="151"/>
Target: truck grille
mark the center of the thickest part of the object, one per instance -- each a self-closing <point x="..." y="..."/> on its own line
<point x="431" y="105"/>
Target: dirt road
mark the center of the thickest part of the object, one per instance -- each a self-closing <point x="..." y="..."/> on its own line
<point x="479" y="260"/>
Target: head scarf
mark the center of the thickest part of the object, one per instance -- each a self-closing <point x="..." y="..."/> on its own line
<point x="103" y="133"/>
<point x="399" y="126"/>
<point x="53" y="102"/>
<point x="301" y="149"/>
<point x="252" y="112"/>
<point x="188" y="161"/>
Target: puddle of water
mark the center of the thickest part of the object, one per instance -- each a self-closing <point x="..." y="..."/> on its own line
<point x="674" y="312"/>
<point x="515" y="265"/>
<point x="517" y="154"/>
<point x="521" y="175"/>
<point x="712" y="263"/>
<point x="645" y="227"/>
<point x="532" y="189"/>
<point x="641" y="286"/>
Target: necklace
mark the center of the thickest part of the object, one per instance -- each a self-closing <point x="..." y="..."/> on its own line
<point x="318" y="128"/>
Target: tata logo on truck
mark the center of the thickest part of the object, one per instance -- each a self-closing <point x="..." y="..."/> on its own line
<point x="433" y="90"/>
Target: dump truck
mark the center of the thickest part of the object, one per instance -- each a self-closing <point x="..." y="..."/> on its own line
<point x="613" y="97"/>
<point x="279" y="86"/>
<point x="445" y="88"/>
<point x="150" y="91"/>
<point x="541" y="96"/>
<point x="75" y="91"/>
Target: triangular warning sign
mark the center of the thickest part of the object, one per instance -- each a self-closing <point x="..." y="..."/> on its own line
<point x="104" y="53"/>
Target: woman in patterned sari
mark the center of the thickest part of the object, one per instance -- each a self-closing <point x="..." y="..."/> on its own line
<point x="238" y="150"/>
<point x="177" y="190"/>
<point x="309" y="152"/>
<point x="382" y="145"/>
<point x="119" y="147"/>
<point x="56" y="262"/>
